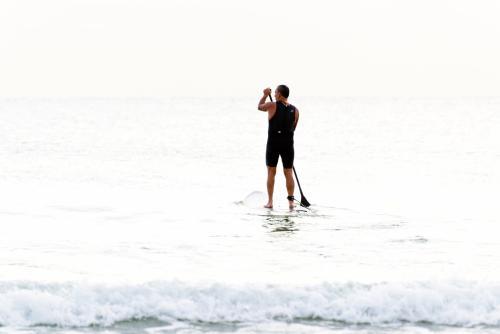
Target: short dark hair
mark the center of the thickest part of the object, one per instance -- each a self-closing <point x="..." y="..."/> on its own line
<point x="284" y="91"/>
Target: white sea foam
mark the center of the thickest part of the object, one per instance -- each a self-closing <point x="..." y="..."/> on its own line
<point x="77" y="304"/>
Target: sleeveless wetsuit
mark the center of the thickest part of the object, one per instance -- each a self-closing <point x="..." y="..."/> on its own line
<point x="280" y="136"/>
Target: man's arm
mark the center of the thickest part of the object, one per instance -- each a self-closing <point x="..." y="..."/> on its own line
<point x="296" y="118"/>
<point x="263" y="106"/>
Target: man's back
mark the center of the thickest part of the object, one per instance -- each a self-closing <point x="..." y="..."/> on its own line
<point x="283" y="120"/>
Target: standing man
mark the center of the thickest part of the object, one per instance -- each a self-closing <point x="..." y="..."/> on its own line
<point x="283" y="118"/>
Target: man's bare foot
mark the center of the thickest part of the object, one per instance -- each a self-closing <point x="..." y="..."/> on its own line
<point x="269" y="205"/>
<point x="291" y="205"/>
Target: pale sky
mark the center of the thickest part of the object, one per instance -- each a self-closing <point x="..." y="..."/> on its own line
<point x="152" y="48"/>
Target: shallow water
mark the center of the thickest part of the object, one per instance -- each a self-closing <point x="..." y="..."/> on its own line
<point x="130" y="216"/>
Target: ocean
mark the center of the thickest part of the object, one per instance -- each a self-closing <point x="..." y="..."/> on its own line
<point x="145" y="216"/>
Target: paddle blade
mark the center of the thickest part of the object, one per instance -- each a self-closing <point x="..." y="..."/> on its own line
<point x="304" y="202"/>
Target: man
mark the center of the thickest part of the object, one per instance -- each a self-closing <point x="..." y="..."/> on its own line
<point x="283" y="118"/>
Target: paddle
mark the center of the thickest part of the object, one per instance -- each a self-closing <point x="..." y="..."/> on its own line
<point x="303" y="201"/>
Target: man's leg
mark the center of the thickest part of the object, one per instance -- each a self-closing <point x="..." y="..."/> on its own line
<point x="290" y="184"/>
<point x="271" y="173"/>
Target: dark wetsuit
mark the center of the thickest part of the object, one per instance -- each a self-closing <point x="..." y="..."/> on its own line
<point x="280" y="136"/>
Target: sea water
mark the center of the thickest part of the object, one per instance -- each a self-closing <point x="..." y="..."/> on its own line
<point x="145" y="216"/>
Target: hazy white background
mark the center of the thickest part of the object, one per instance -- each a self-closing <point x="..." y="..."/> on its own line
<point x="125" y="48"/>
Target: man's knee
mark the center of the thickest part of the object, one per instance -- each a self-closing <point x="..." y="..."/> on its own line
<point x="271" y="171"/>
<point x="288" y="172"/>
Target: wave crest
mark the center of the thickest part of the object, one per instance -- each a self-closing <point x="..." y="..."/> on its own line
<point x="77" y="304"/>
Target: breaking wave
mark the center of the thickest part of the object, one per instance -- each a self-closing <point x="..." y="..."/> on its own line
<point x="465" y="304"/>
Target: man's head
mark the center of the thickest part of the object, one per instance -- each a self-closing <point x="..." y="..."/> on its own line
<point x="281" y="92"/>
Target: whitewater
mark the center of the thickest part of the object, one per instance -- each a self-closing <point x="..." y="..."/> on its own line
<point x="145" y="216"/>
